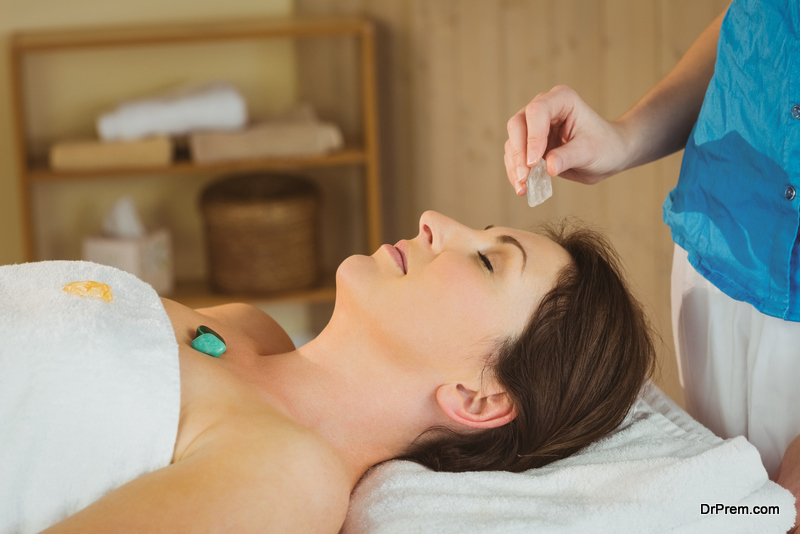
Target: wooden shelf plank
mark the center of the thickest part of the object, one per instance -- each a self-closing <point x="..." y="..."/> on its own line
<point x="351" y="156"/>
<point x="131" y="35"/>
<point x="198" y="294"/>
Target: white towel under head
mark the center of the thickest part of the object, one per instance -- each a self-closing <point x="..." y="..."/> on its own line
<point x="213" y="106"/>
<point x="652" y="475"/>
<point x="89" y="390"/>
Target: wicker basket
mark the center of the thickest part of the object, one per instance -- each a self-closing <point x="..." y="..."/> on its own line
<point x="261" y="233"/>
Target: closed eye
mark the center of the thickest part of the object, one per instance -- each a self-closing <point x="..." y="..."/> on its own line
<point x="486" y="262"/>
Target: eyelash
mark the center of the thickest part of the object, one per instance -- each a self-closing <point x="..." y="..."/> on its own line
<point x="486" y="262"/>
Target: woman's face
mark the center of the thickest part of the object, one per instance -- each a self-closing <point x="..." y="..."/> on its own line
<point x="447" y="296"/>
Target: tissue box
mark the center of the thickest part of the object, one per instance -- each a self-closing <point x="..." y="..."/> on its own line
<point x="148" y="258"/>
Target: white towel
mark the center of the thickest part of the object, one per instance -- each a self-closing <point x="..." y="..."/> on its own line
<point x="214" y="106"/>
<point x="89" y="390"/>
<point x="652" y="475"/>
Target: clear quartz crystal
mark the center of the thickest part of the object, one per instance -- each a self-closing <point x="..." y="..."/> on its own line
<point x="540" y="188"/>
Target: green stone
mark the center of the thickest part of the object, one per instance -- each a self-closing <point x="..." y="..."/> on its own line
<point x="203" y="329"/>
<point x="209" y="344"/>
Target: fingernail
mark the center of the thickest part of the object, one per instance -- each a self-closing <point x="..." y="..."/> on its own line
<point x="558" y="167"/>
<point x="531" y="158"/>
<point x="518" y="188"/>
<point x="522" y="173"/>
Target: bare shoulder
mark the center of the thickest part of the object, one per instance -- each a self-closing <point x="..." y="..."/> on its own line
<point x="300" y="476"/>
<point x="315" y="472"/>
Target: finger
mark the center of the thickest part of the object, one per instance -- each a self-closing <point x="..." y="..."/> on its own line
<point x="511" y="172"/>
<point x="546" y="111"/>
<point x="515" y="148"/>
<point x="508" y="164"/>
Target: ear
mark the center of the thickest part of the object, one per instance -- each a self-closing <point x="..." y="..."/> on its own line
<point x="475" y="409"/>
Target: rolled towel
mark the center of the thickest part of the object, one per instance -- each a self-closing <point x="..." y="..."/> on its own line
<point x="215" y="106"/>
<point x="79" y="155"/>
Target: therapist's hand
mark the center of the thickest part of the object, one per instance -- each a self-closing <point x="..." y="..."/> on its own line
<point x="788" y="474"/>
<point x="579" y="144"/>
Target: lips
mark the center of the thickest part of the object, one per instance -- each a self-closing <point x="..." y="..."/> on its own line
<point x="398" y="256"/>
<point x="402" y="248"/>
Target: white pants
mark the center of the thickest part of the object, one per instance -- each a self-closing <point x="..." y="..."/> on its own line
<point x="739" y="368"/>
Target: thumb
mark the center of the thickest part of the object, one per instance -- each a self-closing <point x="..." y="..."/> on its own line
<point x="559" y="160"/>
<point x="572" y="155"/>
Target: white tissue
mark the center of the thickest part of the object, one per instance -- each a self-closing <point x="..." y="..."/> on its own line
<point x="540" y="188"/>
<point x="213" y="106"/>
<point x="123" y="220"/>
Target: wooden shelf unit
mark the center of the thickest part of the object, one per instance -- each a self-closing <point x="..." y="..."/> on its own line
<point x="365" y="155"/>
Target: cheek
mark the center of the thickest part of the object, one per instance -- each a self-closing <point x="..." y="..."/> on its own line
<point x="457" y="308"/>
<point x="447" y="311"/>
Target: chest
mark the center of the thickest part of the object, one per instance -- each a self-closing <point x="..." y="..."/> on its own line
<point x="219" y="395"/>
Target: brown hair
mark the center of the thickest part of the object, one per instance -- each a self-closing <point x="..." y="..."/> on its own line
<point x="573" y="373"/>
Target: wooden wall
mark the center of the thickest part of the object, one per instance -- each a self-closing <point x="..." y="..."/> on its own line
<point x="453" y="71"/>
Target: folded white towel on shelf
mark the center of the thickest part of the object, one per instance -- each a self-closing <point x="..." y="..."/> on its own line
<point x="89" y="390"/>
<point x="213" y="106"/>
<point x="654" y="474"/>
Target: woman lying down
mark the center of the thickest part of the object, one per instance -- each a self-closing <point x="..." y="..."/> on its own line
<point x="459" y="349"/>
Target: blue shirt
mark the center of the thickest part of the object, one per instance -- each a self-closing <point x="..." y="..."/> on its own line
<point x="736" y="207"/>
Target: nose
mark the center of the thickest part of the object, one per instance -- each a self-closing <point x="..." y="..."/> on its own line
<point x="437" y="229"/>
<point x="426" y="224"/>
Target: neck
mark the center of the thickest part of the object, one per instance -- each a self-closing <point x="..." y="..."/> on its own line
<point x="349" y="393"/>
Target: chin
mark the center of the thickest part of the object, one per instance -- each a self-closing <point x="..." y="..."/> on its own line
<point x="354" y="274"/>
<point x="363" y="288"/>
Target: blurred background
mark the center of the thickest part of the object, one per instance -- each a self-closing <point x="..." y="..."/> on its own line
<point x="449" y="75"/>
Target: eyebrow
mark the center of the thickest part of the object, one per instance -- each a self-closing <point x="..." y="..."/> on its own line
<point x="509" y="240"/>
